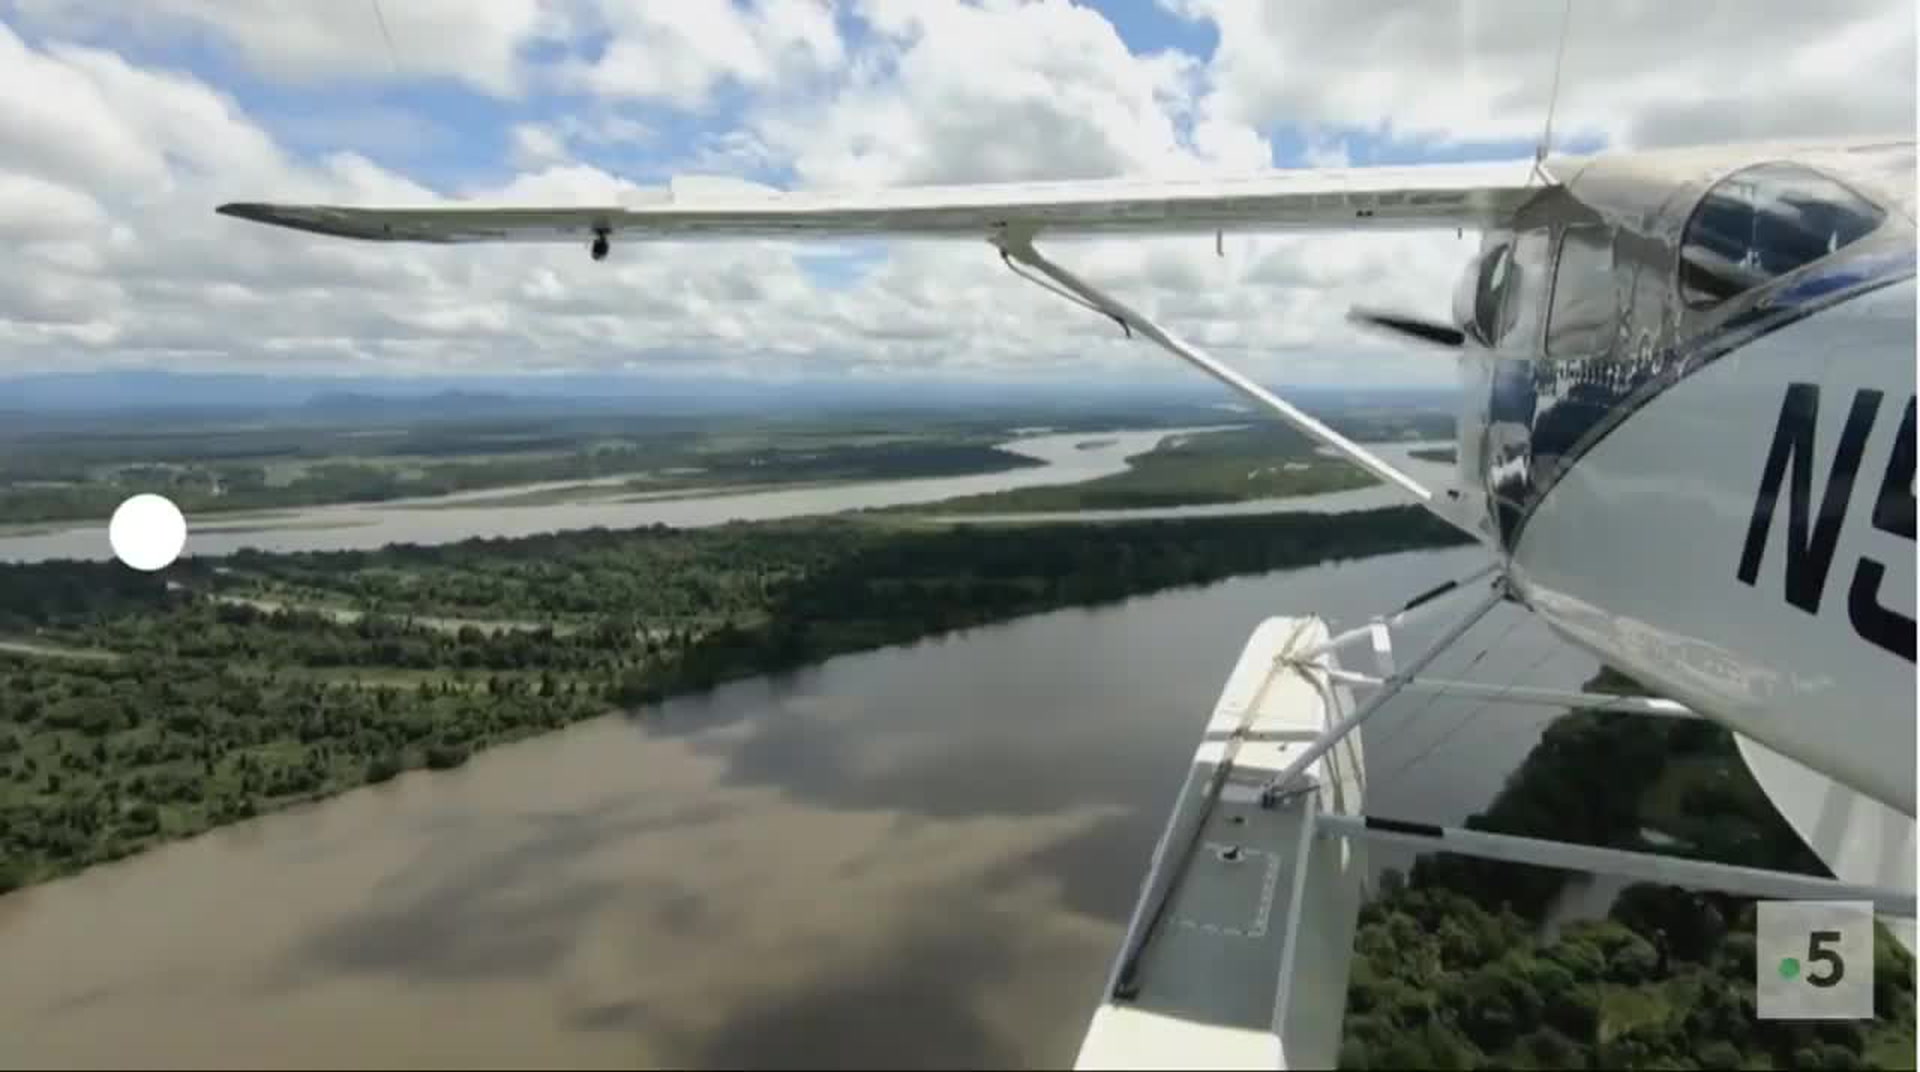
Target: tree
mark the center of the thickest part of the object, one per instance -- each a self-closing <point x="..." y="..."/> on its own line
<point x="1688" y="922"/>
<point x="143" y="818"/>
<point x="383" y="768"/>
<point x="1497" y="1003"/>
<point x="1547" y="1048"/>
<point x="1429" y="1046"/>
<point x="1720" y="1054"/>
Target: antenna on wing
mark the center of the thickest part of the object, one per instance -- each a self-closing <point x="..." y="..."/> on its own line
<point x="1553" y="95"/>
<point x="393" y="55"/>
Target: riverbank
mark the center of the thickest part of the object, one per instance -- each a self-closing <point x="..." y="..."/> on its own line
<point x="218" y="711"/>
<point x="751" y="877"/>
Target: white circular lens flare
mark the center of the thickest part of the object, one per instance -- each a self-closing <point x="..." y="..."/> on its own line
<point x="147" y="532"/>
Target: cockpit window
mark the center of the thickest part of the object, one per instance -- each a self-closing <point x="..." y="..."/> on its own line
<point x="1585" y="303"/>
<point x="1763" y="222"/>
<point x="1489" y="292"/>
<point x="1527" y="279"/>
<point x="1510" y="290"/>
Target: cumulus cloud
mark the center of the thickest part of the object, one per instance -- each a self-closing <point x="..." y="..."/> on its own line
<point x="681" y="53"/>
<point x="1636" y="74"/>
<point x="957" y="93"/>
<point x="325" y="41"/>
<point x="108" y="179"/>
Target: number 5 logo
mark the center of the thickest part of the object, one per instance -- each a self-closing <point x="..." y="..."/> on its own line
<point x="1813" y="960"/>
<point x="1818" y="953"/>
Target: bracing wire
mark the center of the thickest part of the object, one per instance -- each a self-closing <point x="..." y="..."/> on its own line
<point x="1400" y="729"/>
<point x="1414" y="716"/>
<point x="1443" y="738"/>
<point x="1553" y="95"/>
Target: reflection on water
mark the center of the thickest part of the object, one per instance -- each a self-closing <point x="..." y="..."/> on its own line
<point x="921" y="855"/>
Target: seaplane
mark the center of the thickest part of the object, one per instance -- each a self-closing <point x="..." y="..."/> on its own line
<point x="1685" y="440"/>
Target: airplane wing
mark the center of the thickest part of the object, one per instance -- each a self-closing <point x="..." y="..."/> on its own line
<point x="1009" y="215"/>
<point x="1363" y="198"/>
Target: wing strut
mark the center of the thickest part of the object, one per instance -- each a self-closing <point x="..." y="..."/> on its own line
<point x="1620" y="863"/>
<point x="1289" y="780"/>
<point x="1059" y="280"/>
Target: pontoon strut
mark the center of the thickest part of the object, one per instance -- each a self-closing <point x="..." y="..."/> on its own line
<point x="1288" y="780"/>
<point x="1621" y="863"/>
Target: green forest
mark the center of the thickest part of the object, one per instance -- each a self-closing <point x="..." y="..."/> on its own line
<point x="153" y="706"/>
<point x="1451" y="969"/>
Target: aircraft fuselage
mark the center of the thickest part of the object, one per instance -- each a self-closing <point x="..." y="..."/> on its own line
<point x="1696" y="448"/>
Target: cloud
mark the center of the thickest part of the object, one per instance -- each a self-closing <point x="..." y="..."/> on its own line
<point x="108" y="195"/>
<point x="33" y="210"/>
<point x="951" y="93"/>
<point x="326" y="41"/>
<point x="681" y="53"/>
<point x="1636" y="74"/>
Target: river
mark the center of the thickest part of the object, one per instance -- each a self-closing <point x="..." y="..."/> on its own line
<point x="922" y="855"/>
<point x="358" y="526"/>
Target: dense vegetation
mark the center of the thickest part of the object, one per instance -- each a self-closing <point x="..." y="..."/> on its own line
<point x="1264" y="461"/>
<point x="1451" y="969"/>
<point x="1666" y="981"/>
<point x="202" y="711"/>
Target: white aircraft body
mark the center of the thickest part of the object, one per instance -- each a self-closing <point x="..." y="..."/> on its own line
<point x="1686" y="438"/>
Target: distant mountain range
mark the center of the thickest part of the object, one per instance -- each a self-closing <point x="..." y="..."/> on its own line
<point x="159" y="389"/>
<point x="460" y="396"/>
<point x="450" y="403"/>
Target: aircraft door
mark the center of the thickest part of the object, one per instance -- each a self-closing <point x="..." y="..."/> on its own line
<point x="1578" y="381"/>
<point x="1513" y="392"/>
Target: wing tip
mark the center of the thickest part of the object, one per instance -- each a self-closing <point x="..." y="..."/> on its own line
<point x="258" y="212"/>
<point x="295" y="218"/>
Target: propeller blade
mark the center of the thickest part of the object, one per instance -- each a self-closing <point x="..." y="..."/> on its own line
<point x="1425" y="331"/>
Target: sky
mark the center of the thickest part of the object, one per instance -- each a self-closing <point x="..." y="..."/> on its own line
<point x="125" y="123"/>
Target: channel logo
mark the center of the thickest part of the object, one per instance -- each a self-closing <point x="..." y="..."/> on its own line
<point x="1813" y="960"/>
